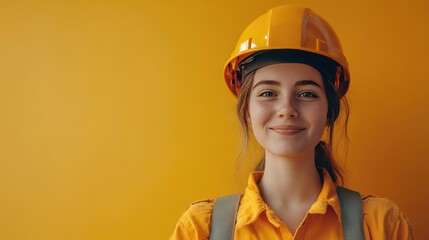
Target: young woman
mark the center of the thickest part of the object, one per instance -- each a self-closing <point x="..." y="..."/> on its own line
<point x="290" y="76"/>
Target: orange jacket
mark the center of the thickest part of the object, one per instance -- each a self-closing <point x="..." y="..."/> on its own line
<point x="255" y="220"/>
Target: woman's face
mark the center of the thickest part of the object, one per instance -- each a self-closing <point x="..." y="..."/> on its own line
<point x="288" y="108"/>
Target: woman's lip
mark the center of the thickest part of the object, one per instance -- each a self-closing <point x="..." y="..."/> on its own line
<point x="287" y="129"/>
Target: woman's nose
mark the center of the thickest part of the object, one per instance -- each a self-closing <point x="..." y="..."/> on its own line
<point x="287" y="109"/>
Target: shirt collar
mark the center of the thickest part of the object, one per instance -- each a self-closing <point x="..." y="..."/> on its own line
<point x="252" y="204"/>
<point x="328" y="197"/>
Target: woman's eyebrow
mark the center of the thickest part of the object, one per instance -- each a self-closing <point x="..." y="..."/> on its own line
<point x="266" y="82"/>
<point x="307" y="82"/>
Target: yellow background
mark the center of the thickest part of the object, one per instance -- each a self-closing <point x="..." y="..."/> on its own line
<point x="115" y="116"/>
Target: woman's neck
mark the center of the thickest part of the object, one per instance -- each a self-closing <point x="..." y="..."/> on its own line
<point x="289" y="181"/>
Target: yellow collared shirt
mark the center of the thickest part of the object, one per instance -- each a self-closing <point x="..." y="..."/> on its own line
<point x="255" y="220"/>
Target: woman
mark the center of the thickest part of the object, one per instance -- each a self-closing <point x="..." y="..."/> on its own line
<point x="290" y="76"/>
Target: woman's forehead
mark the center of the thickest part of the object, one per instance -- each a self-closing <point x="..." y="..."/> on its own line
<point x="288" y="72"/>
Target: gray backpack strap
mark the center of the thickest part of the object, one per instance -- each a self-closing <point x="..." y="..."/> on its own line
<point x="351" y="213"/>
<point x="224" y="216"/>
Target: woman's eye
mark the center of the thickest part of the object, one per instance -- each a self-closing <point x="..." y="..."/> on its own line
<point x="267" y="94"/>
<point x="307" y="95"/>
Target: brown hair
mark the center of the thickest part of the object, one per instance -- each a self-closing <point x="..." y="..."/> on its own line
<point x="324" y="158"/>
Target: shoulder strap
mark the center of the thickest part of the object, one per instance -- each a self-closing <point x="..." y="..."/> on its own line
<point x="224" y="216"/>
<point x="351" y="213"/>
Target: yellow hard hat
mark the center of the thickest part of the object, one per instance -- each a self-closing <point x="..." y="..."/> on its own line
<point x="295" y="30"/>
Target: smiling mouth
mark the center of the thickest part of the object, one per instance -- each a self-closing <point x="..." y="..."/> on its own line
<point x="287" y="130"/>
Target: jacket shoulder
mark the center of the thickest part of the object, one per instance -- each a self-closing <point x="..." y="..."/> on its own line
<point x="201" y="208"/>
<point x="379" y="206"/>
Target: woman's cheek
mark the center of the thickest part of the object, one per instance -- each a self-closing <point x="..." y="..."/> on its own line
<point x="260" y="112"/>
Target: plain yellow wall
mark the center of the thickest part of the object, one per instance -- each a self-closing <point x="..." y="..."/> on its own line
<point x="115" y="116"/>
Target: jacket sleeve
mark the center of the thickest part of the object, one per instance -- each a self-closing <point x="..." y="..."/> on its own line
<point x="383" y="219"/>
<point x="194" y="224"/>
<point x="183" y="231"/>
<point x="401" y="227"/>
